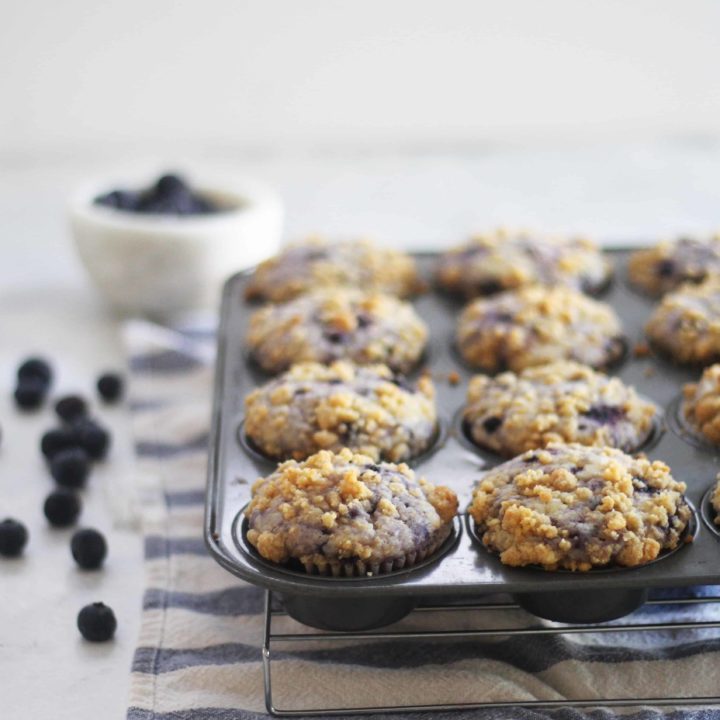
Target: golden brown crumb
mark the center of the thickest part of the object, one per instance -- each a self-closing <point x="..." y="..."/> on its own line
<point x="641" y="349"/>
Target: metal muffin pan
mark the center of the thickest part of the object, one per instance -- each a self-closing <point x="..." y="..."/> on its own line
<point x="465" y="570"/>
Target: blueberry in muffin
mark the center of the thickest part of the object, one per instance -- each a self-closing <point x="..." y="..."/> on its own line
<point x="369" y="409"/>
<point x="503" y="260"/>
<point x="335" y="324"/>
<point x="578" y="507"/>
<point x="343" y="514"/>
<point x="536" y="325"/>
<point x="669" y="264"/>
<point x="560" y="402"/>
<point x="686" y="324"/>
<point x="317" y="264"/>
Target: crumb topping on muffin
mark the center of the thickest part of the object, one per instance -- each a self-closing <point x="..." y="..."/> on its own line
<point x="336" y="324"/>
<point x="686" y="324"/>
<point x="578" y="507"/>
<point x="318" y="263"/>
<point x="715" y="500"/>
<point x="701" y="404"/>
<point x="316" y="407"/>
<point x="537" y="325"/>
<point x="343" y="509"/>
<point x="503" y="260"/>
<point x="559" y="402"/>
<point x="671" y="263"/>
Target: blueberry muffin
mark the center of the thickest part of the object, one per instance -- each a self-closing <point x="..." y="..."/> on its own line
<point x="317" y="264"/>
<point x="341" y="514"/>
<point x="715" y="500"/>
<point x="578" y="507"/>
<point x="686" y="324"/>
<point x="336" y="324"/>
<point x="701" y="404"/>
<point x="368" y="409"/>
<point x="560" y="402"/>
<point x="503" y="261"/>
<point x="536" y="325"/>
<point x="669" y="264"/>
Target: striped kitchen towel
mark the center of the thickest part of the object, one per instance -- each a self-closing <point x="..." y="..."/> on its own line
<point x="199" y="658"/>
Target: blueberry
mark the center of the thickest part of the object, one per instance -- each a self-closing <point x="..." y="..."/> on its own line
<point x="335" y="337"/>
<point x="35" y="368"/>
<point x="30" y="394"/>
<point x="70" y="468"/>
<point x="204" y="205"/>
<point x="170" y="185"/>
<point x="71" y="408"/>
<point x="13" y="537"/>
<point x="96" y="622"/>
<point x="665" y="268"/>
<point x="489" y="287"/>
<point x="605" y="414"/>
<point x="491" y="424"/>
<point x="89" y="548"/>
<point x="62" y="508"/>
<point x="53" y="441"/>
<point x="119" y="199"/>
<point x="92" y="438"/>
<point x="110" y="387"/>
<point x="403" y="383"/>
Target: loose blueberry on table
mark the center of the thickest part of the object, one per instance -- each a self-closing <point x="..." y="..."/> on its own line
<point x="62" y="508"/>
<point x="110" y="387"/>
<point x="71" y="467"/>
<point x="13" y="537"/>
<point x="170" y="195"/>
<point x="96" y="622"/>
<point x="88" y="548"/>
<point x="71" y="408"/>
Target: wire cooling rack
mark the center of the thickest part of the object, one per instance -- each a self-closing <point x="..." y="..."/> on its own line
<point x="272" y="638"/>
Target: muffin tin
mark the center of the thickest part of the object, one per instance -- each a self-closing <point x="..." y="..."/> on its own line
<point x="463" y="568"/>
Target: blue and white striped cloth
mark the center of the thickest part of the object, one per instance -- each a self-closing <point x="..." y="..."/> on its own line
<point x="198" y="655"/>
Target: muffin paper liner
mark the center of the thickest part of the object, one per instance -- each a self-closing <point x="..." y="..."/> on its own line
<point x="361" y="568"/>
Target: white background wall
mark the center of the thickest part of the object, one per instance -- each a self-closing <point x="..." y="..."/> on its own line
<point x="82" y="77"/>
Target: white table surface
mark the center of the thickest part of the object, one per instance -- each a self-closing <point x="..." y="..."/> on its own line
<point x="422" y="200"/>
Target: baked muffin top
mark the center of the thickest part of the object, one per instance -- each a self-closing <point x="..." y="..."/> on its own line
<point x="701" y="404"/>
<point x="342" y="507"/>
<point x="686" y="324"/>
<point x="317" y="263"/>
<point x="579" y="507"/>
<point x="502" y="260"/>
<point x="671" y="263"/>
<point x="334" y="324"/>
<point x="560" y="402"/>
<point x="536" y="325"/>
<point x="369" y="409"/>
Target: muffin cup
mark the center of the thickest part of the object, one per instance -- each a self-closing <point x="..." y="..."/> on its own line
<point x="361" y="568"/>
<point x="444" y="540"/>
<point x="437" y="440"/>
<point x="461" y="430"/>
<point x="682" y="427"/>
<point x="613" y="364"/>
<point x="708" y="512"/>
<point x="588" y="606"/>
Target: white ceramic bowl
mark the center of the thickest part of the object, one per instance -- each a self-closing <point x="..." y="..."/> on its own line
<point x="160" y="265"/>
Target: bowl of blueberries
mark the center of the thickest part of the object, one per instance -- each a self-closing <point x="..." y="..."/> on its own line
<point x="162" y="248"/>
